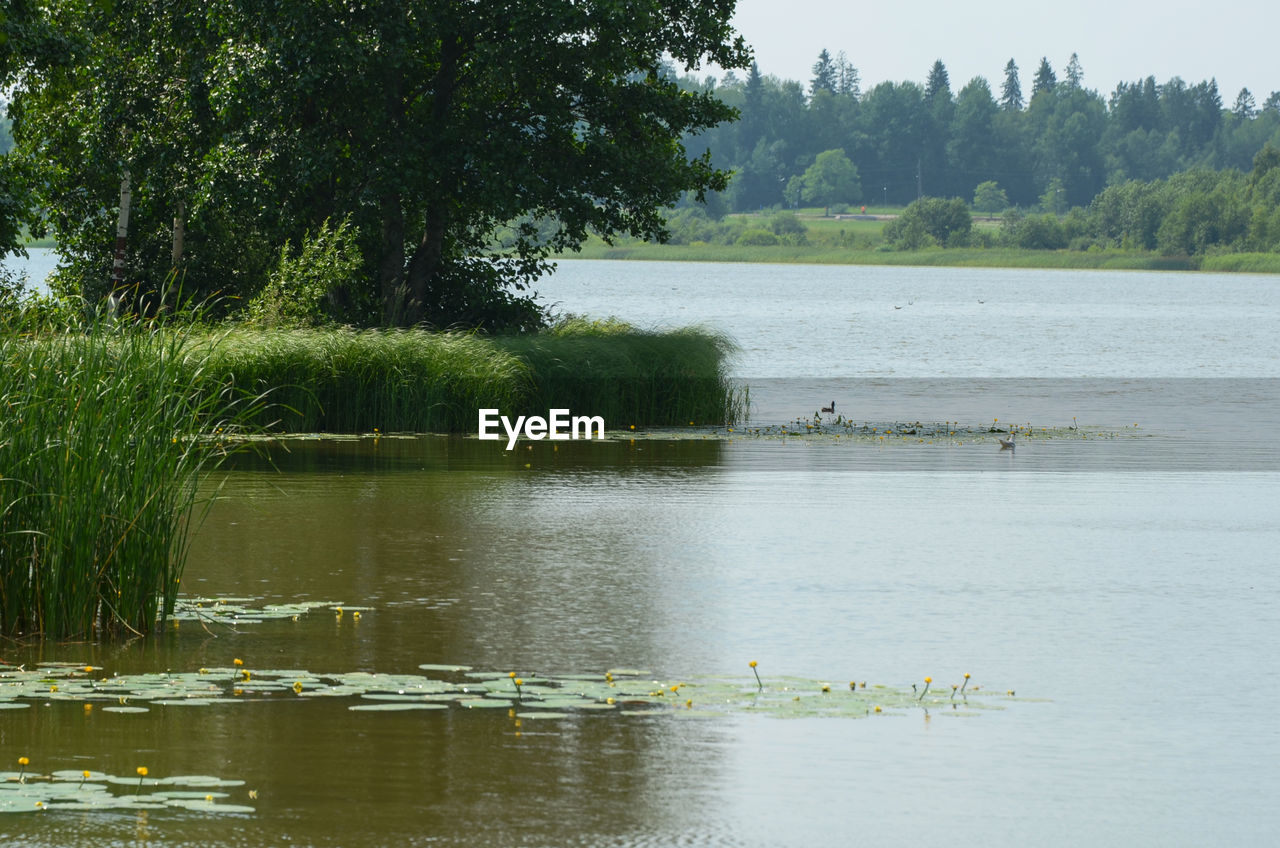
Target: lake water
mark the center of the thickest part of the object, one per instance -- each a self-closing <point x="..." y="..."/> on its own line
<point x="36" y="266"/>
<point x="1120" y="579"/>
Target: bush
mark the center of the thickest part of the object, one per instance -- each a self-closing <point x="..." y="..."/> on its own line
<point x="930" y="220"/>
<point x="757" y="238"/>
<point x="1035" y="232"/>
<point x="322" y="284"/>
<point x="788" y="228"/>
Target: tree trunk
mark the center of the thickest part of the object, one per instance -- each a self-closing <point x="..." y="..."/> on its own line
<point x="425" y="265"/>
<point x="179" y="232"/>
<point x="391" y="270"/>
<point x="122" y="236"/>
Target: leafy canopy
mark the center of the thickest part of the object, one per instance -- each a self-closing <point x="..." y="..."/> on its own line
<point x="429" y="126"/>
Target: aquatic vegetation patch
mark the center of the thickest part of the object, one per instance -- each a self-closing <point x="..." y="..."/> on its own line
<point x="840" y="429"/>
<point x="26" y="791"/>
<point x="232" y="611"/>
<point x="617" y="690"/>
<point x="102" y="454"/>
<point x="345" y="381"/>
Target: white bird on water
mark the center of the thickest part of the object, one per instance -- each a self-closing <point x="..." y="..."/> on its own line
<point x="1007" y="444"/>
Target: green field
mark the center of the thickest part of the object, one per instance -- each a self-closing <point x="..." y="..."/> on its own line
<point x="1001" y="257"/>
<point x="833" y="240"/>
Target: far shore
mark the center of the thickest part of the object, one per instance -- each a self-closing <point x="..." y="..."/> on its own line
<point x="1116" y="260"/>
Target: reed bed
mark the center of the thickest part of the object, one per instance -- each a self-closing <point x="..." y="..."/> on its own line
<point x="1248" y="263"/>
<point x="345" y="381"/>
<point x="971" y="257"/>
<point x="100" y="456"/>
<point x="630" y="376"/>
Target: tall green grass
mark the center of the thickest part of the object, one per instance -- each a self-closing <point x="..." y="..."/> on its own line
<point x="100" y="454"/>
<point x="346" y="381"/>
<point x="343" y="381"/>
<point x="1248" y="263"/>
<point x="629" y="376"/>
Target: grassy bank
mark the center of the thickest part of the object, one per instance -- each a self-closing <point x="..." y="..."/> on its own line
<point x="99" y="461"/>
<point x="996" y="257"/>
<point x="348" y="381"/>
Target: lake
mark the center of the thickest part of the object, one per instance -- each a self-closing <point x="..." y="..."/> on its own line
<point x="1119" y="579"/>
<point x="36" y="266"/>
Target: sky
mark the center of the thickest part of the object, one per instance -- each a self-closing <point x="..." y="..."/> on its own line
<point x="1232" y="40"/>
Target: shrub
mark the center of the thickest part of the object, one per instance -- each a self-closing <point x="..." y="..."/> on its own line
<point x="757" y="238"/>
<point x="1035" y="232"/>
<point x="930" y="220"/>
<point x="321" y="284"/>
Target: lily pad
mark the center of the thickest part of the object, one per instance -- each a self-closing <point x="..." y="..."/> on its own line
<point x="395" y="707"/>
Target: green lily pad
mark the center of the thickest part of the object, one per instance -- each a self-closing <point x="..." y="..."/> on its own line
<point x="395" y="707"/>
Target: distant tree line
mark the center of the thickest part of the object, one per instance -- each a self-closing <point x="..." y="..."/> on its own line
<point x="1054" y="144"/>
<point x="1191" y="213"/>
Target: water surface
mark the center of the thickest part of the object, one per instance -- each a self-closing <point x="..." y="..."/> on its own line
<point x="1122" y="585"/>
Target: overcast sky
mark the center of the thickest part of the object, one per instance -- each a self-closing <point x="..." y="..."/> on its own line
<point x="1235" y="41"/>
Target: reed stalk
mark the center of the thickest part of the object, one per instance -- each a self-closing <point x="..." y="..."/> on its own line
<point x="103" y="439"/>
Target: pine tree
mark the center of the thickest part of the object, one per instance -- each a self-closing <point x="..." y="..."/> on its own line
<point x="1246" y="107"/>
<point x="939" y="84"/>
<point x="1045" y="79"/>
<point x="1011" y="91"/>
<point x="824" y="74"/>
<point x="1075" y="73"/>
<point x="847" y="80"/>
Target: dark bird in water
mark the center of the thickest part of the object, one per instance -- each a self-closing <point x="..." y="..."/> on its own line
<point x="1007" y="444"/>
<point x="829" y="410"/>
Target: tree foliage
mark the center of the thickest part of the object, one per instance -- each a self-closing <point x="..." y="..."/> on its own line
<point x="1011" y="89"/>
<point x="245" y="124"/>
<point x="832" y="178"/>
<point x="907" y="138"/>
<point x="989" y="197"/>
<point x="930" y="221"/>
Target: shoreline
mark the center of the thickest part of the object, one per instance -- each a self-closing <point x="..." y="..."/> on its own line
<point x="1110" y="260"/>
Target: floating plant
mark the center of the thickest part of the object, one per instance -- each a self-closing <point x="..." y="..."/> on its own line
<point x="91" y="790"/>
<point x="233" y="611"/>
<point x="625" y="691"/>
